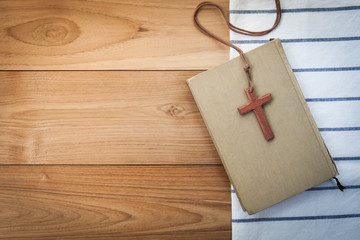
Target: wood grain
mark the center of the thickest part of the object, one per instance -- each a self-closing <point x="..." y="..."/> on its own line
<point x="102" y="202"/>
<point x="101" y="117"/>
<point x="108" y="34"/>
<point x="131" y="120"/>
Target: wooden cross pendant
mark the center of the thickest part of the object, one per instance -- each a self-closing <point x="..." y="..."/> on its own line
<point x="255" y="104"/>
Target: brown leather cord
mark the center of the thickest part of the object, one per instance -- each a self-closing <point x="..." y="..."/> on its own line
<point x="235" y="29"/>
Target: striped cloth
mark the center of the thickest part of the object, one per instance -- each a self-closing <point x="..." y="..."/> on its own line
<point x="322" y="42"/>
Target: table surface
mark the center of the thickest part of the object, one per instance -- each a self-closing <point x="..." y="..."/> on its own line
<point x="99" y="134"/>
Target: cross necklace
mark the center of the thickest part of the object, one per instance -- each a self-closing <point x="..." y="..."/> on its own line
<point x="255" y="103"/>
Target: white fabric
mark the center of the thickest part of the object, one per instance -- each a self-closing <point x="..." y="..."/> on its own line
<point x="322" y="42"/>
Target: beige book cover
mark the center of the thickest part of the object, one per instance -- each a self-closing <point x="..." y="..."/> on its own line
<point x="262" y="172"/>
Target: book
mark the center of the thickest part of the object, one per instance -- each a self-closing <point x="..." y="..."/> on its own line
<point x="262" y="172"/>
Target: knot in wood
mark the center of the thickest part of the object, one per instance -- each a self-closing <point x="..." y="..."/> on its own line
<point x="46" y="32"/>
<point x="175" y="110"/>
<point x="247" y="68"/>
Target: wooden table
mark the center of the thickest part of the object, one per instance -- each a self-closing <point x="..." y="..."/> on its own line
<point x="100" y="137"/>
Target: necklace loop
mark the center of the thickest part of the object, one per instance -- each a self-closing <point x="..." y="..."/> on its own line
<point x="202" y="29"/>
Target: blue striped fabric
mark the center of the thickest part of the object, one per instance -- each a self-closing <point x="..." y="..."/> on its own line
<point x="333" y="99"/>
<point x="322" y="42"/>
<point x="346" y="158"/>
<point x="330" y="69"/>
<point x="299" y="40"/>
<point x="339" y="129"/>
<point x="317" y="217"/>
<point x="324" y="188"/>
<point x="296" y="10"/>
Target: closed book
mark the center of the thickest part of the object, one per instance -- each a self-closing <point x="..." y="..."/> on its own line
<point x="262" y="172"/>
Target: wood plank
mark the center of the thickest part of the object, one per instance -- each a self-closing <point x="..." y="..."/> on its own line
<point x="101" y="117"/>
<point x="108" y="34"/>
<point x="113" y="202"/>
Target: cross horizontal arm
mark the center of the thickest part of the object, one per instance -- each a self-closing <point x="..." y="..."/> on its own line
<point x="246" y="108"/>
<point x="264" y="99"/>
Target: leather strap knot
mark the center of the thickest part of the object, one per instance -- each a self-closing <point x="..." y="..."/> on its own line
<point x="247" y="67"/>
